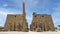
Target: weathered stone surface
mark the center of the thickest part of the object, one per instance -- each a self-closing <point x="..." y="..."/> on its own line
<point x="16" y="22"/>
<point x="1" y="28"/>
<point x="42" y="22"/>
<point x="38" y="30"/>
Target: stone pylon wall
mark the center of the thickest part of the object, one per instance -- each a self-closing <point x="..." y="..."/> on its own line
<point x="42" y="22"/>
<point x="16" y="22"/>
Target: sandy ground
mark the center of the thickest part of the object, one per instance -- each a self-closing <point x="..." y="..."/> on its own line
<point x="30" y="32"/>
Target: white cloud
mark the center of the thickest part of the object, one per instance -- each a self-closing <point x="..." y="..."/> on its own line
<point x="5" y="13"/>
<point x="0" y="19"/>
<point x="29" y="18"/>
<point x="5" y="5"/>
<point x="57" y="9"/>
<point x="56" y="15"/>
<point x="33" y="2"/>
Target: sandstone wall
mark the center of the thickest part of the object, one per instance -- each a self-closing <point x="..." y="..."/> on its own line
<point x="42" y="22"/>
<point x="15" y="23"/>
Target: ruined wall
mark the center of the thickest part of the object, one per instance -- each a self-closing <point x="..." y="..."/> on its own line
<point x="15" y="23"/>
<point x="42" y="22"/>
<point x="1" y="28"/>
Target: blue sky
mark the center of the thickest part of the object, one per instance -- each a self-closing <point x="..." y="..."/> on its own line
<point x="39" y="6"/>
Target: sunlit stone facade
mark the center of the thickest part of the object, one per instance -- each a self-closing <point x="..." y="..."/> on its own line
<point x="16" y="22"/>
<point x="42" y="22"/>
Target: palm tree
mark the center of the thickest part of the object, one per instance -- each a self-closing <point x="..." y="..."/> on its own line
<point x="59" y="26"/>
